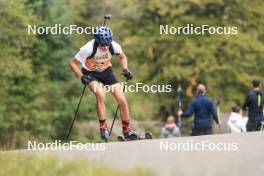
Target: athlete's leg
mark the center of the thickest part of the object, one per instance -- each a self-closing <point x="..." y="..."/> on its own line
<point x="117" y="92"/>
<point x="108" y="78"/>
<point x="99" y="93"/>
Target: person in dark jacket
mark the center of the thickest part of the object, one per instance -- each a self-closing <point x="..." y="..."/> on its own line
<point x="203" y="109"/>
<point x="254" y="104"/>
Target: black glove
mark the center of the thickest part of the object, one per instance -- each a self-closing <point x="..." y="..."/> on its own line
<point x="128" y="74"/>
<point x="86" y="79"/>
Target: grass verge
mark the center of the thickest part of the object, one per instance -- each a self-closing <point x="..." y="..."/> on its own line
<point x="30" y="165"/>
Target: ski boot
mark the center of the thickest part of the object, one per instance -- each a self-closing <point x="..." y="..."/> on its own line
<point x="105" y="135"/>
<point x="131" y="135"/>
<point x="104" y="132"/>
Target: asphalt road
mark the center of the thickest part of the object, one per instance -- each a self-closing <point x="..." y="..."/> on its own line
<point x="237" y="155"/>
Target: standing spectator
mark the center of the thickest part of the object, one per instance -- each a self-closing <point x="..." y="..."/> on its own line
<point x="203" y="108"/>
<point x="254" y="105"/>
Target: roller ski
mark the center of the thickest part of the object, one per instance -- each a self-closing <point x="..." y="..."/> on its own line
<point x="132" y="135"/>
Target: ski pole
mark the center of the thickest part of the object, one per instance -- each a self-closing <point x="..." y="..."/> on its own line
<point x="106" y="17"/>
<point x="117" y="110"/>
<point x="218" y="110"/>
<point x="76" y="112"/>
<point x="179" y="98"/>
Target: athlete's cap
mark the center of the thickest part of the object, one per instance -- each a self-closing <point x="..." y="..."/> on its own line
<point x="255" y="83"/>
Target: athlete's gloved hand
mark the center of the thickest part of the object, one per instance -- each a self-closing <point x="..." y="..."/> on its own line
<point x="86" y="79"/>
<point x="128" y="74"/>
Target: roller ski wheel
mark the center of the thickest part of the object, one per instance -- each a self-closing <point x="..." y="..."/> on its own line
<point x="148" y="135"/>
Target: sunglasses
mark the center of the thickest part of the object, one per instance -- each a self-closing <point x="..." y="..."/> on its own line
<point x="104" y="44"/>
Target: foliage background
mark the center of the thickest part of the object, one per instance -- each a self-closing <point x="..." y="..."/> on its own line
<point x="39" y="92"/>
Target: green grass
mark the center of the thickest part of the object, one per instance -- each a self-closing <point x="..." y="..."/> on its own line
<point x="29" y="165"/>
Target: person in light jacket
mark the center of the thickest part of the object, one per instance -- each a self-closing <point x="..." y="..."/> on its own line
<point x="170" y="129"/>
<point x="236" y="123"/>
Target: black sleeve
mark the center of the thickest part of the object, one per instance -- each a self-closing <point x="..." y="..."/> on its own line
<point x="111" y="49"/>
<point x="246" y="103"/>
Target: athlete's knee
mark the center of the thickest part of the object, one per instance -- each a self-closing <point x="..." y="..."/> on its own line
<point x="122" y="102"/>
<point x="100" y="96"/>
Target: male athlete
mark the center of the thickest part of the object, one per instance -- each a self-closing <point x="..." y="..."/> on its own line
<point x="95" y="58"/>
